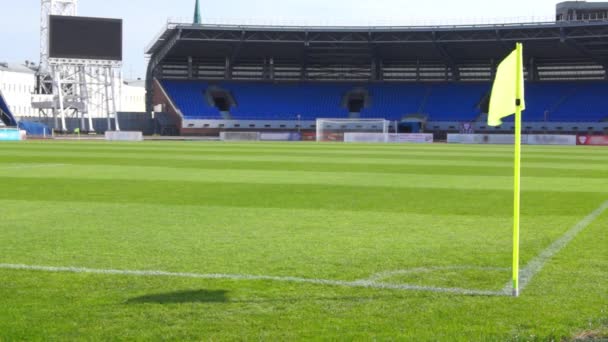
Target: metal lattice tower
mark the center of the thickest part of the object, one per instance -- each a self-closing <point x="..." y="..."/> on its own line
<point x="52" y="7"/>
<point x="74" y="88"/>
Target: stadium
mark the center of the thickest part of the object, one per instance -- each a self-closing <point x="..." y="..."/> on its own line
<point x="284" y="78"/>
<point x="291" y="182"/>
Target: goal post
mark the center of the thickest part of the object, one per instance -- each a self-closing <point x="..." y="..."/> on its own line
<point x="339" y="129"/>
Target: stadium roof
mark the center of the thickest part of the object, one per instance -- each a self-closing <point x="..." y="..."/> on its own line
<point x="566" y="40"/>
<point x="581" y="5"/>
<point x="377" y="53"/>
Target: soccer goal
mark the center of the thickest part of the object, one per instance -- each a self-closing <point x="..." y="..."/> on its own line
<point x="352" y="130"/>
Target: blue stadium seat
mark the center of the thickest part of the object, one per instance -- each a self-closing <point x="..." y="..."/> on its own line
<point x="552" y="101"/>
<point x="188" y="96"/>
<point x="581" y="102"/>
<point x="455" y="101"/>
<point x="267" y="101"/>
<point x="394" y="101"/>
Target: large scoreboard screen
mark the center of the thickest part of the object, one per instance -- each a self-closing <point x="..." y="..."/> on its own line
<point x="85" y="38"/>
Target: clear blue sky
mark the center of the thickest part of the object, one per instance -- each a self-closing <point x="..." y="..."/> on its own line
<point x="143" y="19"/>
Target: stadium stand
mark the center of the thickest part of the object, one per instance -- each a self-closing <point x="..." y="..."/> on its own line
<point x="578" y="102"/>
<point x="189" y="97"/>
<point x="259" y="101"/>
<point x="551" y="101"/>
<point x="394" y="101"/>
<point x="212" y="78"/>
<point x="6" y="116"/>
<point x="276" y="102"/>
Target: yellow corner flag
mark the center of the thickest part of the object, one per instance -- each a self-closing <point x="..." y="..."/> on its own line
<point x="508" y="88"/>
<point x="508" y="98"/>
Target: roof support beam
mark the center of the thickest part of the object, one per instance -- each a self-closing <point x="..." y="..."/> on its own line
<point x="237" y="49"/>
<point x="228" y="68"/>
<point x="304" y="58"/>
<point x="376" y="71"/>
<point x="190" y="71"/>
<point x="532" y="70"/>
<point x="586" y="53"/>
<point x="447" y="59"/>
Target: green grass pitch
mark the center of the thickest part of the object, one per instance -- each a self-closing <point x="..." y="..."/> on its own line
<point x="330" y="221"/>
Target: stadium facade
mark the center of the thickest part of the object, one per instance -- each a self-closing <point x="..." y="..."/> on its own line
<point x="203" y="78"/>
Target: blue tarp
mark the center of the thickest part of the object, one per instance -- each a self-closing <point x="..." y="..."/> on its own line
<point x="5" y="114"/>
<point x="35" y="128"/>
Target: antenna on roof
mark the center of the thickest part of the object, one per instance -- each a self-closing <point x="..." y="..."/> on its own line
<point x="197" y="13"/>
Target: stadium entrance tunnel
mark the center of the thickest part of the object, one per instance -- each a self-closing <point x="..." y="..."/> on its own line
<point x="413" y="123"/>
<point x="222" y="100"/>
<point x="409" y="127"/>
<point x="355" y="101"/>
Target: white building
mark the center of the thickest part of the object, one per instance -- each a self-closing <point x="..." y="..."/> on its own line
<point x="18" y="83"/>
<point x="132" y="96"/>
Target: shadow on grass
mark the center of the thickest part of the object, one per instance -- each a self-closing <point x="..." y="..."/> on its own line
<point x="220" y="296"/>
<point x="194" y="296"/>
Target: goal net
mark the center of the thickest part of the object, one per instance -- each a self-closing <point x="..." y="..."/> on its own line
<point x="352" y="130"/>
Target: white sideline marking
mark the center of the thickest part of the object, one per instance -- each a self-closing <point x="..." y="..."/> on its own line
<point x="537" y="263"/>
<point x="365" y="283"/>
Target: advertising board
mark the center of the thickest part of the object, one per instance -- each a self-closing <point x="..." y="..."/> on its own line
<point x="10" y="134"/>
<point x="592" y="140"/>
<point x="124" y="136"/>
<point x="277" y="136"/>
<point x="508" y="139"/>
<point x="388" y="138"/>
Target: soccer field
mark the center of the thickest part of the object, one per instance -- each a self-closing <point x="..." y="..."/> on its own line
<point x="280" y="241"/>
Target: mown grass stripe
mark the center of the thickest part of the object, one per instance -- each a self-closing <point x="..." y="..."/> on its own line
<point x="418" y="200"/>
<point x="169" y="158"/>
<point x="410" y="180"/>
<point x="201" y="146"/>
<point x="386" y="169"/>
<point x="573" y="155"/>
<point x="372" y="155"/>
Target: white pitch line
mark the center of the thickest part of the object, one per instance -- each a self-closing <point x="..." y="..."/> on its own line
<point x="537" y="263"/>
<point x="357" y="283"/>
